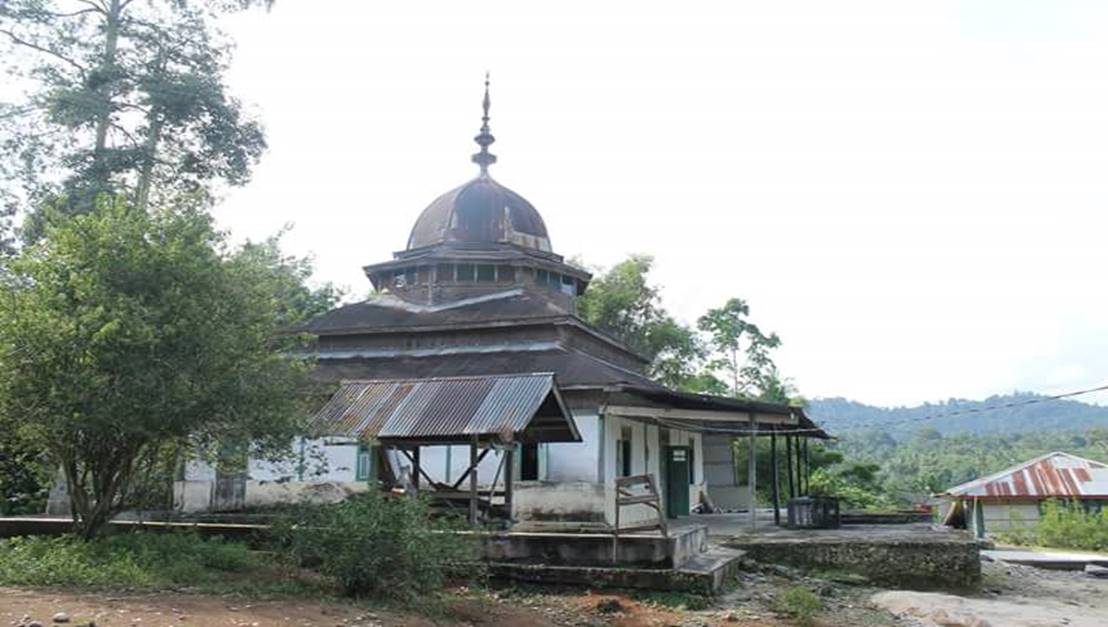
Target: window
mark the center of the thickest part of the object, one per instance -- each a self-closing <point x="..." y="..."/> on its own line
<point x="542" y="277"/>
<point x="623" y="452"/>
<point x="569" y="286"/>
<point x="362" y="467"/>
<point x="410" y="277"/>
<point x="529" y="462"/>
<point x="505" y="274"/>
<point x="445" y="273"/>
<point x="486" y="274"/>
<point x="465" y="271"/>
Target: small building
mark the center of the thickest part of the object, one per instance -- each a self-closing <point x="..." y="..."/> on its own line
<point x="1013" y="497"/>
<point x="470" y="371"/>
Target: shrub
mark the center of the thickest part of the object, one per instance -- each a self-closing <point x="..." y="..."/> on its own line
<point x="1063" y="525"/>
<point x="374" y="545"/>
<point x="133" y="560"/>
<point x="800" y="603"/>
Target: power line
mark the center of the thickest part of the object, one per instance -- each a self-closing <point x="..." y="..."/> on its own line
<point x="980" y="410"/>
<point x="878" y="423"/>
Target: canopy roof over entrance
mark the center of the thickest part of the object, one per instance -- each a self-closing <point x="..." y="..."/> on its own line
<point x="518" y="407"/>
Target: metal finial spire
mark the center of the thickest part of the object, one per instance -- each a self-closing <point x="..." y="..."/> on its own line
<point x="485" y="139"/>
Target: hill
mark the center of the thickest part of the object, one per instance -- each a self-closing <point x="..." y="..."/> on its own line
<point x="841" y="415"/>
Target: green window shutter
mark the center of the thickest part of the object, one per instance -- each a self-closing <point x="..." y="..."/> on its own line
<point x="361" y="471"/>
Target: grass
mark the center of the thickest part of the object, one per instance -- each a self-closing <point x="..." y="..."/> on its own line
<point x="800" y="603"/>
<point x="144" y="561"/>
<point x="672" y="599"/>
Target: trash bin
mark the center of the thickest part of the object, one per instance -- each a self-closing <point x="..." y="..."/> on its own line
<point x="814" y="512"/>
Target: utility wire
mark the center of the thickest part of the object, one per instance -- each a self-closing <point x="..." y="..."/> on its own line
<point x="878" y="423"/>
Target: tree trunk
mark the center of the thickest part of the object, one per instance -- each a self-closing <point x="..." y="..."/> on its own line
<point x="111" y="43"/>
<point x="150" y="147"/>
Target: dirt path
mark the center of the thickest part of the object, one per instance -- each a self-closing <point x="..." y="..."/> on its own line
<point x="1013" y="596"/>
<point x="182" y="610"/>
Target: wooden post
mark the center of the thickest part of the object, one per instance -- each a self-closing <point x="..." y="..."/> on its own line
<point x="789" y="465"/>
<point x="509" y="456"/>
<point x="799" y="468"/>
<point x="752" y="474"/>
<point x="807" y="469"/>
<point x="776" y="478"/>
<point x="473" y="481"/>
<point x="415" y="469"/>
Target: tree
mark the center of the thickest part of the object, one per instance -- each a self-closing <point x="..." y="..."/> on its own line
<point x="122" y="98"/>
<point x="7" y="238"/>
<point x="126" y="335"/>
<point x="622" y="302"/>
<point x="742" y="349"/>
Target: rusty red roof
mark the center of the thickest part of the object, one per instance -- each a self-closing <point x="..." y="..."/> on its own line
<point x="446" y="409"/>
<point x="1052" y="475"/>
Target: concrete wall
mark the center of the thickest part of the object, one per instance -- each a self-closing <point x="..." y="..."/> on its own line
<point x="576" y="461"/>
<point x="552" y="505"/>
<point x="951" y="564"/>
<point x="999" y="516"/>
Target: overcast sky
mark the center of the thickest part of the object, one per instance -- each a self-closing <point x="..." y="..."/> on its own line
<point x="911" y="194"/>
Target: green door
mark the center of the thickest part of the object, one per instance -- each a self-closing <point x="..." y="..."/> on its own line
<point x="677" y="480"/>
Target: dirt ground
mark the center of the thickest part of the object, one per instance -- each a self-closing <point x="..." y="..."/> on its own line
<point x="1012" y="596"/>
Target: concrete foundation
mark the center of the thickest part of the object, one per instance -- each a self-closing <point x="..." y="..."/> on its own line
<point x="909" y="556"/>
<point x="592" y="549"/>
<point x="708" y="573"/>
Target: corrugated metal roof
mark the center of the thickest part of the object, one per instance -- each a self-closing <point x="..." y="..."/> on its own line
<point x="1052" y="475"/>
<point x="443" y="408"/>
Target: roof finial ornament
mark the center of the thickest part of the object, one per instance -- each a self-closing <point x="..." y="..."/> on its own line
<point x="484" y="139"/>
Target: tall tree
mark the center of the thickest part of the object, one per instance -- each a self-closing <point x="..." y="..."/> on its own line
<point x="742" y="350"/>
<point x="622" y="301"/>
<point x="128" y="334"/>
<point x="121" y="97"/>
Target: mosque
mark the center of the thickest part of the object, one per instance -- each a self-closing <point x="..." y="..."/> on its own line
<point x="470" y="376"/>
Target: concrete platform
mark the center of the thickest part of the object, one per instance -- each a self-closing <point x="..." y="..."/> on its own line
<point x="914" y="556"/>
<point x="707" y="573"/>
<point x="1051" y="560"/>
<point x="643" y="550"/>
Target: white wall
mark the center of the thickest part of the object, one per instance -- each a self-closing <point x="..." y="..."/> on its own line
<point x="576" y="461"/>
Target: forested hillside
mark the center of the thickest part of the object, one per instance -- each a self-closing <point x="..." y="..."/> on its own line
<point x="840" y="415"/>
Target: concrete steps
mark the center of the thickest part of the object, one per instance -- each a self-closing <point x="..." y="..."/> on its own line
<point x="706" y="573"/>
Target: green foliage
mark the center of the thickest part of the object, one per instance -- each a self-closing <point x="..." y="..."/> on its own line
<point x="1064" y="525"/>
<point x="800" y="603"/>
<point x="1011" y="413"/>
<point x="24" y="478"/>
<point x="124" y="98"/>
<point x="622" y="302"/>
<point x="853" y="492"/>
<point x="742" y="350"/>
<point x="725" y="344"/>
<point x="374" y="545"/>
<point x="130" y="336"/>
<point x="917" y="465"/>
<point x="142" y="560"/>
<point x="684" y="601"/>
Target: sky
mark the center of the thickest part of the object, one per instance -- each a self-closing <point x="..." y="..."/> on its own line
<point x="911" y="194"/>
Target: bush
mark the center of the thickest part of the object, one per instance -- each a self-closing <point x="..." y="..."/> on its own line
<point x="800" y="603"/>
<point x="1063" y="525"/>
<point x="133" y="560"/>
<point x="373" y="545"/>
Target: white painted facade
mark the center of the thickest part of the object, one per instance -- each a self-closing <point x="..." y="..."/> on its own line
<point x="576" y="481"/>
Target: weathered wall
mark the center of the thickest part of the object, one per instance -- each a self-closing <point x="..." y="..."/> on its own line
<point x="1001" y="517"/>
<point x="948" y="565"/>
<point x="544" y="504"/>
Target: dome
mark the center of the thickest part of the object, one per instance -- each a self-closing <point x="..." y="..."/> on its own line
<point x="480" y="212"/>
